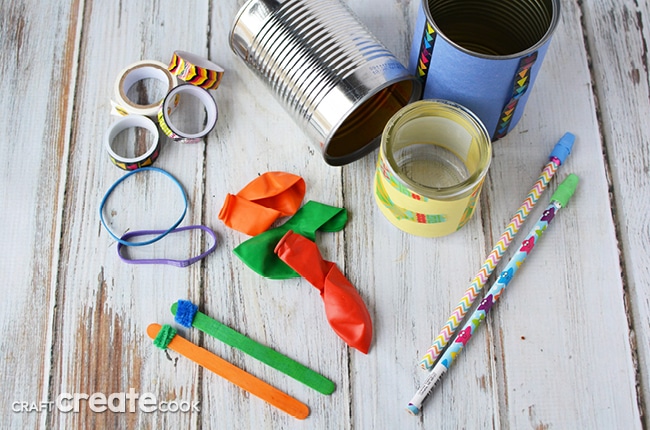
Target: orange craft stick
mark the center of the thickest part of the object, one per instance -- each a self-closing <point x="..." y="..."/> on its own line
<point x="234" y="374"/>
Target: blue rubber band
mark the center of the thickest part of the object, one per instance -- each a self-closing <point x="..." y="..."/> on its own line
<point x="165" y="232"/>
<point x="185" y="313"/>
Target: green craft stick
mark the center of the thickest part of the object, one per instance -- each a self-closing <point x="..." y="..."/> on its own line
<point x="261" y="352"/>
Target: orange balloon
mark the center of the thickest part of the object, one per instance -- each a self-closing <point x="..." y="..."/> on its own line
<point x="260" y="203"/>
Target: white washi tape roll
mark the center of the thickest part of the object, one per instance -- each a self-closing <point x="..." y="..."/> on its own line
<point x="138" y="71"/>
<point x="164" y="113"/>
<point x="132" y="163"/>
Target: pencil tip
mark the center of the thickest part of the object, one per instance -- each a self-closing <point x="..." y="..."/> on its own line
<point x="412" y="409"/>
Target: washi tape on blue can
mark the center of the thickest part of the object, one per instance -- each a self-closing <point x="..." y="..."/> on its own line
<point x="483" y="54"/>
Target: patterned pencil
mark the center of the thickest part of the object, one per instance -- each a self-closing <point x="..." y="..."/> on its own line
<point x="559" y="154"/>
<point x="558" y="201"/>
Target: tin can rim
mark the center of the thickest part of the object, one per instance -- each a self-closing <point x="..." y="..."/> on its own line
<point x="555" y="19"/>
<point x="374" y="143"/>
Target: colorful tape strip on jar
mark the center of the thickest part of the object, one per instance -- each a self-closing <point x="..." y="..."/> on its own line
<point x="432" y="162"/>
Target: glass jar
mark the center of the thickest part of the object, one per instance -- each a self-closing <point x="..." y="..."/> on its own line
<point x="433" y="158"/>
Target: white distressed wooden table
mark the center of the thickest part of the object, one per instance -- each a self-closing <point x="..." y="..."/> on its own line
<point x="567" y="347"/>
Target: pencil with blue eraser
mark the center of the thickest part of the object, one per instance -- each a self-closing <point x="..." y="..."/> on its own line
<point x="559" y="200"/>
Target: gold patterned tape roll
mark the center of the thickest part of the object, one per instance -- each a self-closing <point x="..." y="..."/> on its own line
<point x="196" y="70"/>
<point x="129" y="76"/>
<point x="432" y="162"/>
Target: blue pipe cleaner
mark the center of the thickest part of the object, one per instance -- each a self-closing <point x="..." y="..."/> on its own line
<point x="185" y="313"/>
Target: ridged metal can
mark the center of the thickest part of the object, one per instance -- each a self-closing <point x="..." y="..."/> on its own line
<point x="328" y="71"/>
<point x="483" y="54"/>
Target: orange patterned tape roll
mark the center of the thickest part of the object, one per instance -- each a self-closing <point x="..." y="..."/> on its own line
<point x="196" y="70"/>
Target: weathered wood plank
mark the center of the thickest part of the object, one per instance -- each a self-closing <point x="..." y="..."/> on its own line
<point x="104" y="305"/>
<point x="35" y="64"/>
<point x="411" y="283"/>
<point x="257" y="135"/>
<point x="617" y="37"/>
<point x="567" y="301"/>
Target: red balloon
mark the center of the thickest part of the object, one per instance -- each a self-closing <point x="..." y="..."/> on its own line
<point x="345" y="310"/>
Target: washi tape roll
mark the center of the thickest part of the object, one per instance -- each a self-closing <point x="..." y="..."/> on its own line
<point x="196" y="70"/>
<point x="138" y="71"/>
<point x="132" y="163"/>
<point x="165" y="110"/>
<point x="433" y="158"/>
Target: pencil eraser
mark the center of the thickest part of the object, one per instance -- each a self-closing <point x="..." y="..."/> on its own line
<point x="563" y="147"/>
<point x="412" y="409"/>
<point x="565" y="190"/>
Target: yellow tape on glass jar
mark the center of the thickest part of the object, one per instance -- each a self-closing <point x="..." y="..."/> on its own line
<point x="419" y="209"/>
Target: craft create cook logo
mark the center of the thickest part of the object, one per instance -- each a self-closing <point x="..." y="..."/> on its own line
<point x="130" y="402"/>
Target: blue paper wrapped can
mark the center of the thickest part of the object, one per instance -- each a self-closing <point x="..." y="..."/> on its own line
<point x="483" y="54"/>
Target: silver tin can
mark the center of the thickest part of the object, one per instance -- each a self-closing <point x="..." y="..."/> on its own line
<point x="334" y="77"/>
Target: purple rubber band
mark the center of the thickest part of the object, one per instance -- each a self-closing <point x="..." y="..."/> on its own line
<point x="177" y="263"/>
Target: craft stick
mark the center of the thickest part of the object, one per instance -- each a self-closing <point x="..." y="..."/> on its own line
<point x="228" y="371"/>
<point x="189" y="316"/>
<point x="559" y="154"/>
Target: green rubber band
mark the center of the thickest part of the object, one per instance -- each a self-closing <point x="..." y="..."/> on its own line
<point x="261" y="352"/>
<point x="165" y="335"/>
